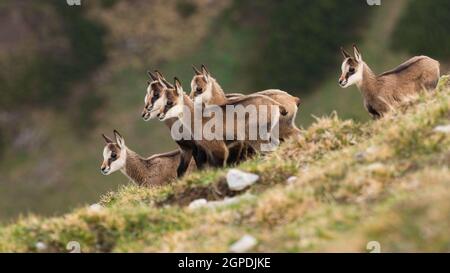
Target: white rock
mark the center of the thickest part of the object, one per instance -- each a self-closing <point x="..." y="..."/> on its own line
<point x="442" y="129"/>
<point x="238" y="180"/>
<point x="95" y="208"/>
<point x="229" y="201"/>
<point x="246" y="243"/>
<point x="291" y="179"/>
<point x="225" y="202"/>
<point x="196" y="204"/>
<point x="203" y="203"/>
<point x="41" y="246"/>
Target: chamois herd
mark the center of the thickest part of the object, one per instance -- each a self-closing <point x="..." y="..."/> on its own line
<point x="189" y="118"/>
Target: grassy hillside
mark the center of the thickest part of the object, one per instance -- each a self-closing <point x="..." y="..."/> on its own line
<point x="50" y="167"/>
<point x="385" y="181"/>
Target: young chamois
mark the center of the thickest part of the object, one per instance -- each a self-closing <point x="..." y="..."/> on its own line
<point x="383" y="92"/>
<point x="156" y="170"/>
<point x="205" y="89"/>
<point x="179" y="105"/>
<point x="153" y="105"/>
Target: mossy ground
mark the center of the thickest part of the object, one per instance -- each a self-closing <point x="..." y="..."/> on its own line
<point x="386" y="181"/>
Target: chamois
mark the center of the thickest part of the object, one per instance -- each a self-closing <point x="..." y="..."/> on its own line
<point x="153" y="105"/>
<point x="175" y="100"/>
<point x="206" y="89"/>
<point x="383" y="92"/>
<point x="177" y="103"/>
<point x="156" y="170"/>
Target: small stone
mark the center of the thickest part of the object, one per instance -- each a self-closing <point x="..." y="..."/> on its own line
<point x="229" y="201"/>
<point x="291" y="180"/>
<point x="360" y="156"/>
<point x="196" y="204"/>
<point x="442" y="129"/>
<point x="41" y="246"/>
<point x="238" y="180"/>
<point x="225" y="202"/>
<point x="246" y="243"/>
<point x="95" y="208"/>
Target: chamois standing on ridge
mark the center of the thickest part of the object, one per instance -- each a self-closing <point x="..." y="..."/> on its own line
<point x="383" y="92"/>
<point x="159" y="169"/>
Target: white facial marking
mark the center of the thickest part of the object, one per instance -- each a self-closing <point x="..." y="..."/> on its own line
<point x="206" y="96"/>
<point x="157" y="106"/>
<point x="356" y="78"/>
<point x="115" y="165"/>
<point x="176" y="111"/>
<point x="106" y="155"/>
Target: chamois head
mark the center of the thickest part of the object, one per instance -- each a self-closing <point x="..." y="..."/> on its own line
<point x="153" y="98"/>
<point x="114" y="154"/>
<point x="201" y="85"/>
<point x="173" y="102"/>
<point x="352" y="68"/>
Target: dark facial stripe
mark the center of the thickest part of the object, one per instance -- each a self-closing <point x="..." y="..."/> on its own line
<point x="349" y="74"/>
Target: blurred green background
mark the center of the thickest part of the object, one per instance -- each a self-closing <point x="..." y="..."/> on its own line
<point x="70" y="73"/>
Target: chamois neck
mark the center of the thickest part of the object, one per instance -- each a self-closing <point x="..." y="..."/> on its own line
<point x="135" y="167"/>
<point x="188" y="119"/>
<point x="218" y="96"/>
<point x="368" y="82"/>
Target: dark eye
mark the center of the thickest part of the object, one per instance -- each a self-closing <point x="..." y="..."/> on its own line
<point x="113" y="155"/>
<point x="169" y="103"/>
<point x="351" y="70"/>
<point x="154" y="98"/>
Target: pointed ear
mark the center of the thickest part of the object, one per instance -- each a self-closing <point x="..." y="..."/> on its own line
<point x="205" y="72"/>
<point x="119" y="139"/>
<point x="152" y="76"/>
<point x="178" y="87"/>
<point x="107" y="139"/>
<point x="196" y="71"/>
<point x="357" y="53"/>
<point x="163" y="80"/>
<point x="345" y="53"/>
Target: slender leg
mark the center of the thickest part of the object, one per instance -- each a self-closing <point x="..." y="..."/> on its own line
<point x="200" y="157"/>
<point x="185" y="159"/>
<point x="220" y="155"/>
